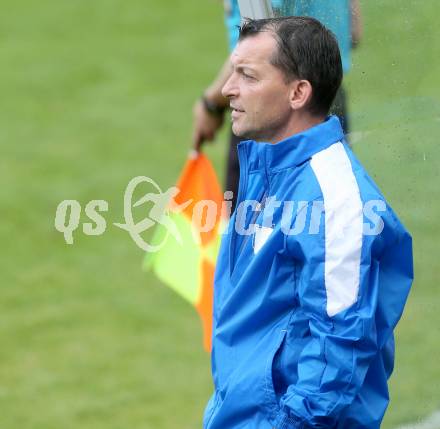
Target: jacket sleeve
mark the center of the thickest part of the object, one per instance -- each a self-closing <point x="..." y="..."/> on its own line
<point x="351" y="287"/>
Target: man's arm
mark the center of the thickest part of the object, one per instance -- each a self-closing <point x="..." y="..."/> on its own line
<point x="352" y="309"/>
<point x="208" y="112"/>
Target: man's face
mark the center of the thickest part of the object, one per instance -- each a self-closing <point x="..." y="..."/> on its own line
<point x="258" y="94"/>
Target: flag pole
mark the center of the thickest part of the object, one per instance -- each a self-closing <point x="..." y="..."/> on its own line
<point x="255" y="9"/>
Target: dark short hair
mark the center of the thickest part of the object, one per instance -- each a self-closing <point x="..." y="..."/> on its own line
<point x="306" y="50"/>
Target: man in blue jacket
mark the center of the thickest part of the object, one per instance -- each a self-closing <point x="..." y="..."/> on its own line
<point x="315" y="268"/>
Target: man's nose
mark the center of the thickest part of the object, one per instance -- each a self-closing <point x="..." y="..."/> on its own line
<point x="230" y="88"/>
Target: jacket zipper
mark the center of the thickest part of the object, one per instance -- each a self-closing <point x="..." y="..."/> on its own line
<point x="252" y="221"/>
<point x="242" y="159"/>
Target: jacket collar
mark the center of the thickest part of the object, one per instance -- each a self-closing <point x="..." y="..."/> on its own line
<point x="295" y="149"/>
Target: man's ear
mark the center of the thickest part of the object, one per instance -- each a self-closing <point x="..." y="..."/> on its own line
<point x="300" y="94"/>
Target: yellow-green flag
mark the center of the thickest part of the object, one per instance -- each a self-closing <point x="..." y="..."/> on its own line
<point x="188" y="267"/>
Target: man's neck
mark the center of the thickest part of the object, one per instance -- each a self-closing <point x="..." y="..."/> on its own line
<point x="295" y="126"/>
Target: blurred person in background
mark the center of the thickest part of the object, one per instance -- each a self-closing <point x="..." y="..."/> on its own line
<point x="342" y="17"/>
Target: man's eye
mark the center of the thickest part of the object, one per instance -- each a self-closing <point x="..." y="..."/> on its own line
<point x="248" y="76"/>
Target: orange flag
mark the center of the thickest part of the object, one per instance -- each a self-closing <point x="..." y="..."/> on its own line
<point x="188" y="267"/>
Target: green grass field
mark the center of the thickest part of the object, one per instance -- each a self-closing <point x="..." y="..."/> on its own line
<point x="95" y="93"/>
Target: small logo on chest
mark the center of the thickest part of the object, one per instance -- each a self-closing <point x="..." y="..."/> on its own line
<point x="261" y="235"/>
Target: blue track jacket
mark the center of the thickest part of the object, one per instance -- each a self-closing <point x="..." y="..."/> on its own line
<point x="307" y="294"/>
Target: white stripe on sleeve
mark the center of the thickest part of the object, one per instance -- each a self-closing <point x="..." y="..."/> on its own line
<point x="343" y="226"/>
